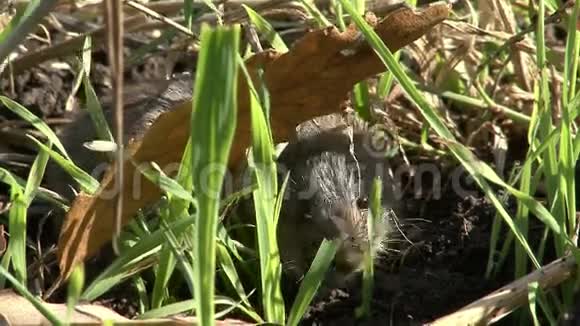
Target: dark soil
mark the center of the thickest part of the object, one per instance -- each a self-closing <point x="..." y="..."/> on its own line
<point x="442" y="270"/>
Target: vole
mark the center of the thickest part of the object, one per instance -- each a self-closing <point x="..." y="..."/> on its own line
<point x="332" y="163"/>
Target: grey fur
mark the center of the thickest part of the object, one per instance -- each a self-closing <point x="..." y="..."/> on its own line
<point x="332" y="168"/>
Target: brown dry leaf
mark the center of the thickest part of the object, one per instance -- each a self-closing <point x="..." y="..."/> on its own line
<point x="310" y="80"/>
<point x="16" y="310"/>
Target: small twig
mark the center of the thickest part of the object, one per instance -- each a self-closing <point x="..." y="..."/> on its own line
<point x="500" y="303"/>
<point x="252" y="37"/>
<point x="155" y="15"/>
<point x="114" y="19"/>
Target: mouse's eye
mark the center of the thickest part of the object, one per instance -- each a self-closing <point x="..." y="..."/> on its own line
<point x="362" y="203"/>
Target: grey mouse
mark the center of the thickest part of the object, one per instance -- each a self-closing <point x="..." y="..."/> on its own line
<point x="332" y="165"/>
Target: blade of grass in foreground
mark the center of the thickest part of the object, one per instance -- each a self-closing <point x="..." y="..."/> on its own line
<point x="179" y="200"/>
<point x="177" y="207"/>
<point x="567" y="157"/>
<point x="477" y="169"/>
<point x="75" y="287"/>
<point x="212" y="129"/>
<point x="376" y="213"/>
<point x="226" y="264"/>
<point x="265" y="198"/>
<point x="185" y="306"/>
<point x="532" y="294"/>
<point x="361" y="89"/>
<point x="18" y="214"/>
<point x="312" y="280"/>
<point x="124" y="265"/>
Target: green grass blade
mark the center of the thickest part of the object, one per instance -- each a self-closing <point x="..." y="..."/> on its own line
<point x="312" y="280"/>
<point x="87" y="183"/>
<point x="21" y="199"/>
<point x="142" y="302"/>
<point x="144" y="248"/>
<point x="359" y="6"/>
<point x="567" y="157"/>
<point x="12" y="180"/>
<point x="212" y="129"/>
<point x="532" y="294"/>
<point x="361" y="100"/>
<point x="376" y="213"/>
<point x="266" y="29"/>
<point x="187" y="305"/>
<point x="16" y="251"/>
<point x="339" y="15"/>
<point x="543" y="301"/>
<point x="24" y="24"/>
<point x="168" y="310"/>
<point x="35" y="175"/>
<point x="82" y="65"/>
<point x="484" y="170"/>
<point x="543" y="111"/>
<point x="75" y="287"/>
<point x="36" y="122"/>
<point x="318" y="16"/>
<point x="93" y="105"/>
<point x="522" y="217"/>
<point x="95" y="110"/>
<point x="153" y="173"/>
<point x="16" y="195"/>
<point x="177" y="207"/>
<point x="165" y="268"/>
<point x="571" y="57"/>
<point x="386" y="81"/>
<point x="280" y="199"/>
<point x="226" y="264"/>
<point x="265" y="203"/>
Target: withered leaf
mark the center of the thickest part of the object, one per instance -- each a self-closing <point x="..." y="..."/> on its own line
<point x="310" y="80"/>
<point x="17" y="310"/>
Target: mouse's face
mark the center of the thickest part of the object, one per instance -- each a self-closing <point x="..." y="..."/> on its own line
<point x="350" y="225"/>
<point x="339" y="209"/>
